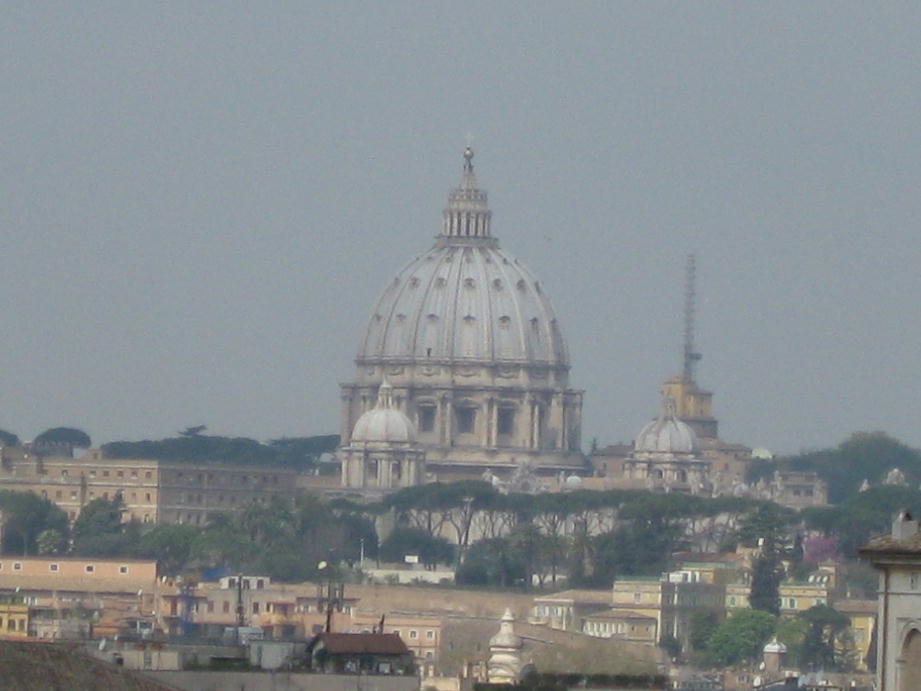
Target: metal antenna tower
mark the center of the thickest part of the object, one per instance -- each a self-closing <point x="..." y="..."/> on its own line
<point x="690" y="293"/>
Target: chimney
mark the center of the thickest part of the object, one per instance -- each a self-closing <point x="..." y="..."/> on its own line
<point x="904" y="526"/>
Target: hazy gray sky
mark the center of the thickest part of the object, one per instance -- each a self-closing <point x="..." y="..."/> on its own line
<point x="199" y="202"/>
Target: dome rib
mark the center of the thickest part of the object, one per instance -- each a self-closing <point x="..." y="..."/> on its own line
<point x="519" y="317"/>
<point x="486" y="327"/>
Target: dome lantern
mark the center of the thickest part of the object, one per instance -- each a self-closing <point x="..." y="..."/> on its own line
<point x="467" y="214"/>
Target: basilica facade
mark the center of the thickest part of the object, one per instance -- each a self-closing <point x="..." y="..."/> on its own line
<point x="467" y="338"/>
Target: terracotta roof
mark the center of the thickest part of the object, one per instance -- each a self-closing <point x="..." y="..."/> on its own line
<point x="601" y="596"/>
<point x="80" y="584"/>
<point x="706" y="557"/>
<point x="857" y="606"/>
<point x="888" y="544"/>
<point x="364" y="643"/>
<point x="619" y="614"/>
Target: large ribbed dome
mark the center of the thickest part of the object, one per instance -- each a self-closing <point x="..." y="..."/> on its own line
<point x="464" y="299"/>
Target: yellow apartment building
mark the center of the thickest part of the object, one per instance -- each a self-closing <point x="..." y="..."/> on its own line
<point x="862" y="615"/>
<point x="623" y="625"/>
<point x="670" y="600"/>
<point x="281" y="610"/>
<point x="567" y="610"/>
<point x="14" y="620"/>
<point x="53" y="588"/>
<point x="708" y="567"/>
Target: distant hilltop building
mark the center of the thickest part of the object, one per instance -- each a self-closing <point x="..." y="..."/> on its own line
<point x="466" y="336"/>
<point x="681" y="449"/>
<point x="152" y="491"/>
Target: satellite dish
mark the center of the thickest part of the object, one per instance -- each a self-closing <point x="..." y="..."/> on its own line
<point x="322" y="565"/>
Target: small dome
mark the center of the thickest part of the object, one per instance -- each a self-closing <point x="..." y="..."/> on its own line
<point x="384" y="423"/>
<point x="775" y="646"/>
<point x="506" y="636"/>
<point x="573" y="482"/>
<point x="667" y="434"/>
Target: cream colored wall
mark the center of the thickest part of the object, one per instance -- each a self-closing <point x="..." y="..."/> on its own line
<point x="486" y="388"/>
<point x="142" y="572"/>
<point x="900" y="614"/>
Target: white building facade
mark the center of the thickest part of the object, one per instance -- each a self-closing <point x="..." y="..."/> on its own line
<point x="898" y="559"/>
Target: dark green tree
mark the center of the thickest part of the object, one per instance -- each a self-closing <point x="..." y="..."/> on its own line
<point x="702" y="626"/>
<point x="740" y="638"/>
<point x="414" y="541"/>
<point x="862" y="515"/>
<point x="8" y="439"/>
<point x="51" y="541"/>
<point x="767" y="573"/>
<point x="65" y="435"/>
<point x="671" y="646"/>
<point x="791" y="631"/>
<point x="170" y="545"/>
<point x="25" y="517"/>
<point x="100" y="532"/>
<point x="303" y="452"/>
<point x="768" y="524"/>
<point x="193" y="431"/>
<point x="867" y="455"/>
<point x="638" y="549"/>
<point x="824" y="626"/>
<point x="495" y="561"/>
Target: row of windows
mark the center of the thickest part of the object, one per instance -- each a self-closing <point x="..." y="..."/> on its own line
<point x="414" y="634"/>
<point x="55" y="567"/>
<point x="200" y="499"/>
<point x="599" y="628"/>
<point x="258" y="607"/>
<point x="221" y="478"/>
<point x="65" y="473"/>
<point x="465" y="419"/>
<point x="131" y="496"/>
<point x="13" y="624"/>
<point x="224" y="478"/>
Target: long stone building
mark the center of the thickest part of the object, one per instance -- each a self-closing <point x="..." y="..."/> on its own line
<point x="152" y="491"/>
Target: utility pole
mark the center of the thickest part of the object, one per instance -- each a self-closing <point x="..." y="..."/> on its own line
<point x="239" y="605"/>
<point x="691" y="357"/>
<point x="329" y="594"/>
